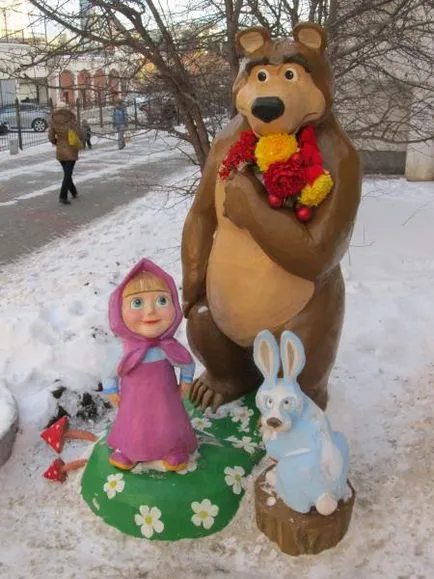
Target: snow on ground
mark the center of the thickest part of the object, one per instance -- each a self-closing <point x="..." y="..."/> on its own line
<point x="27" y="152"/>
<point x="8" y="411"/>
<point x="104" y="161"/>
<point x="30" y="139"/>
<point x="53" y="308"/>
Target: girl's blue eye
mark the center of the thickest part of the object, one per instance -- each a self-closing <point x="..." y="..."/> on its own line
<point x="162" y="301"/>
<point x="136" y="303"/>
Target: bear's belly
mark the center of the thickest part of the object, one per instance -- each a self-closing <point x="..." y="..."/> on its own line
<point x="248" y="292"/>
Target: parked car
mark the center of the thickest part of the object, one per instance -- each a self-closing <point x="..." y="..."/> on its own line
<point x="4" y="128"/>
<point x="160" y="109"/>
<point x="139" y="98"/>
<point x="32" y="116"/>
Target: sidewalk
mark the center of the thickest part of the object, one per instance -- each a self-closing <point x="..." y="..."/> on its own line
<point x="30" y="214"/>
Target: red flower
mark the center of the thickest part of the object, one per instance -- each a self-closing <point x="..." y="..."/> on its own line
<point x="311" y="154"/>
<point x="309" y="149"/>
<point x="248" y="139"/>
<point x="307" y="135"/>
<point x="243" y="151"/>
<point x="225" y="171"/>
<point x="313" y="172"/>
<point x="285" y="179"/>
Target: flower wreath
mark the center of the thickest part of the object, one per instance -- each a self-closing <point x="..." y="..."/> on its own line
<point x="292" y="168"/>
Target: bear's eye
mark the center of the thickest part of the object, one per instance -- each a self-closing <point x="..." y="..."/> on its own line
<point x="269" y="402"/>
<point x="262" y="76"/>
<point x="290" y="74"/>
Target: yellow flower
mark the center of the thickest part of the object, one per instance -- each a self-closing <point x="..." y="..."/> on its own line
<point x="312" y="195"/>
<point x="274" y="148"/>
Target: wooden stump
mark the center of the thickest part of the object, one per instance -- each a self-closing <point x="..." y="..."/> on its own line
<point x="297" y="533"/>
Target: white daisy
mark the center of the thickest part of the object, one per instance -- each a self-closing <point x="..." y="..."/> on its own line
<point x="241" y="414"/>
<point x="244" y="427"/>
<point x="149" y="521"/>
<point x="201" y="423"/>
<point x="114" y="484"/>
<point x="246" y="443"/>
<point x="221" y="412"/>
<point x="204" y="513"/>
<point x="209" y="412"/>
<point x="191" y="466"/>
<point x="235" y="478"/>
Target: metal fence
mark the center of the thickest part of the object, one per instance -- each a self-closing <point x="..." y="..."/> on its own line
<point x="24" y="122"/>
<point x="27" y="122"/>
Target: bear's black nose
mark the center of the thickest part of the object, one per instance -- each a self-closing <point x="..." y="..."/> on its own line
<point x="268" y="108"/>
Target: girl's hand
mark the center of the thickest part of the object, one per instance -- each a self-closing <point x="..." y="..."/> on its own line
<point x="114" y="399"/>
<point x="185" y="388"/>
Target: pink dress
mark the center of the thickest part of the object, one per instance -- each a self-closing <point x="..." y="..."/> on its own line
<point x="151" y="423"/>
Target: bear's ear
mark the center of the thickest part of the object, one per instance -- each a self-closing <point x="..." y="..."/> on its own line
<point x="252" y="39"/>
<point x="311" y="35"/>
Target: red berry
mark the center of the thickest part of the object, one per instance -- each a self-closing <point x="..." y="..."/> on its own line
<point x="296" y="157"/>
<point x="275" y="201"/>
<point x="303" y="213"/>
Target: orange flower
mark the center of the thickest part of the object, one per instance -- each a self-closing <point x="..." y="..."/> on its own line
<point x="274" y="148"/>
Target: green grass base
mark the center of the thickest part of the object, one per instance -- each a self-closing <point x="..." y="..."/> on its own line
<point x="168" y="506"/>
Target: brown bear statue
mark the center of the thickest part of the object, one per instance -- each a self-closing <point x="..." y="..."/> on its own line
<point x="248" y="266"/>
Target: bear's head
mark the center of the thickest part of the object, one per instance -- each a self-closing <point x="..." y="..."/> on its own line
<point x="283" y="85"/>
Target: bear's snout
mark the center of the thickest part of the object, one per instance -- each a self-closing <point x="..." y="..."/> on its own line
<point x="268" y="108"/>
<point x="274" y="422"/>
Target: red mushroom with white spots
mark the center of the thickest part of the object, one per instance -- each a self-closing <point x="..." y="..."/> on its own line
<point x="56" y="434"/>
<point x="55" y="471"/>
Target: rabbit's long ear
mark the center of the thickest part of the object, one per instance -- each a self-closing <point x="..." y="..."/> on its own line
<point x="266" y="355"/>
<point x="292" y="354"/>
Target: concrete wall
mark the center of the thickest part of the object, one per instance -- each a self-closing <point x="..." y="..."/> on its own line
<point x="419" y="164"/>
<point x="420" y="156"/>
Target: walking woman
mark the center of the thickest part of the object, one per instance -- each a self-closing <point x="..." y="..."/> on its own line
<point x="63" y="125"/>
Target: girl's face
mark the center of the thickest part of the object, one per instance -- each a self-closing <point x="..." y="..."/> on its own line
<point x="148" y="313"/>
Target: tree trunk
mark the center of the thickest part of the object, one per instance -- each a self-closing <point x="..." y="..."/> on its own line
<point x="196" y="129"/>
<point x="232" y="17"/>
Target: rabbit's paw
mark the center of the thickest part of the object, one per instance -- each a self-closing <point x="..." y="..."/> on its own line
<point x="326" y="504"/>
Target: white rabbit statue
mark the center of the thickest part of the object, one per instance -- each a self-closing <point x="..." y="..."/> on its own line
<point x="312" y="460"/>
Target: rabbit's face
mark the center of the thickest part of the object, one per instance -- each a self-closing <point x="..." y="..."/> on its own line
<point x="279" y="400"/>
<point x="279" y="406"/>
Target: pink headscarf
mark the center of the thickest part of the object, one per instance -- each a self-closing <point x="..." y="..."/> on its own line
<point x="136" y="346"/>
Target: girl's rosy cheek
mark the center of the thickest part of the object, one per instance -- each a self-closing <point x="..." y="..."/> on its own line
<point x="132" y="315"/>
<point x="168" y="313"/>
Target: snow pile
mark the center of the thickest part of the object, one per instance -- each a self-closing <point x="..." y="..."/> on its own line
<point x="54" y="307"/>
<point x="54" y="328"/>
<point x="8" y="411"/>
